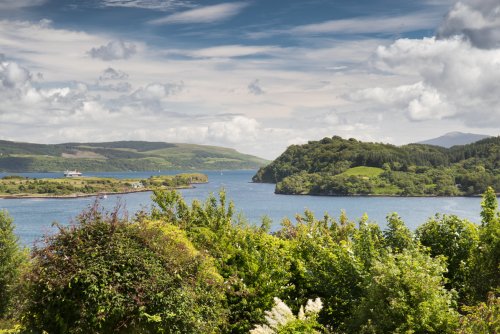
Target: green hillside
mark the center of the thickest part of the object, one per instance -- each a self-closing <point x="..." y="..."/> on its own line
<point x="336" y="166"/>
<point x="120" y="156"/>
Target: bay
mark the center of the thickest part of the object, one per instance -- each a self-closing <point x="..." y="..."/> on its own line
<point x="34" y="217"/>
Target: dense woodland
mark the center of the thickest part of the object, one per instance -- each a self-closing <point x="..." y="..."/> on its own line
<point x="120" y="156"/>
<point x="197" y="268"/>
<point x="334" y="166"/>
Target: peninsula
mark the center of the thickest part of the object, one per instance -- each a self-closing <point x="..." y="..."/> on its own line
<point x="22" y="187"/>
<point x="343" y="167"/>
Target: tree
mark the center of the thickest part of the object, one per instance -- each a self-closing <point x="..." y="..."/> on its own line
<point x="397" y="236"/>
<point x="254" y="264"/>
<point x="485" y="273"/>
<point x="489" y="207"/>
<point x="106" y="274"/>
<point x="454" y="238"/>
<point x="11" y="260"/>
<point x="404" y="293"/>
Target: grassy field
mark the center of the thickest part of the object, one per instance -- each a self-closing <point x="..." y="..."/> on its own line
<point x="363" y="171"/>
<point x="18" y="186"/>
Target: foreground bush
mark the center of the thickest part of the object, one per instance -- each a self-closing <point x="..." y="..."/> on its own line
<point x="108" y="275"/>
<point x="405" y="294"/>
<point x="11" y="260"/>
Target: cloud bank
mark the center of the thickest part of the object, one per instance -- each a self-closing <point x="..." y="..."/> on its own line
<point x="458" y="71"/>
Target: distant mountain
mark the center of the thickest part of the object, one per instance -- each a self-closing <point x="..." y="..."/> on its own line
<point x="454" y="138"/>
<point x="121" y="156"/>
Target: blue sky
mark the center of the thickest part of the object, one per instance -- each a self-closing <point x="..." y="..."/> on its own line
<point x="254" y="75"/>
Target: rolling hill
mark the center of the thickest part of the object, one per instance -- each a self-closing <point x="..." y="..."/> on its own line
<point x="121" y="156"/>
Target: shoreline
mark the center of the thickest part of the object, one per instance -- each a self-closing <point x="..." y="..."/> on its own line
<point x="81" y="195"/>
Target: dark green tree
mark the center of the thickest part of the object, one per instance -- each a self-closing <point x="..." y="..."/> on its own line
<point x="485" y="273"/>
<point x="11" y="262"/>
<point x="456" y="239"/>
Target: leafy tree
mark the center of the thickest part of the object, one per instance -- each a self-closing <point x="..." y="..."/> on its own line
<point x="323" y="266"/>
<point x="489" y="205"/>
<point x="254" y="264"/>
<point x="397" y="236"/>
<point x="405" y="294"/>
<point x="11" y="261"/>
<point x="105" y="274"/>
<point x="454" y="238"/>
<point x="485" y="273"/>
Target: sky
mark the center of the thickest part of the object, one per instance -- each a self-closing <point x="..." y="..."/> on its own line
<point x="254" y="75"/>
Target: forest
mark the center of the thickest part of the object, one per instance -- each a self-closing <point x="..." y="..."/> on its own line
<point x="199" y="268"/>
<point x="336" y="166"/>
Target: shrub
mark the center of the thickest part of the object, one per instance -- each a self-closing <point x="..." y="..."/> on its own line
<point x="106" y="274"/>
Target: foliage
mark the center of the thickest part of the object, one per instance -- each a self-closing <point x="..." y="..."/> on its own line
<point x="105" y="274"/>
<point x="334" y="166"/>
<point x="12" y="259"/>
<point x="254" y="264"/>
<point x="405" y="294"/>
<point x="397" y="237"/>
<point x="281" y="320"/>
<point x="483" y="318"/>
<point x="323" y="266"/>
<point x="454" y="238"/>
<point x="485" y="272"/>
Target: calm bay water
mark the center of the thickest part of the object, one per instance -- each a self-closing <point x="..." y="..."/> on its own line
<point x="34" y="217"/>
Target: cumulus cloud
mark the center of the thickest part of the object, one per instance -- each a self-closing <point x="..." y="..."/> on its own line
<point x="156" y="91"/>
<point x="13" y="75"/>
<point x="456" y="75"/>
<point x="113" y="50"/>
<point x="206" y="14"/>
<point x="476" y="20"/>
<point x="255" y="88"/>
<point x="235" y="130"/>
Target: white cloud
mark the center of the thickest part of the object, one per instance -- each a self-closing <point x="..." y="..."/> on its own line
<point x="157" y="91"/>
<point x="206" y="14"/>
<point x="389" y="24"/>
<point x="456" y="80"/>
<point x="227" y="51"/>
<point x="476" y="20"/>
<point x="113" y="50"/>
<point x="161" y="5"/>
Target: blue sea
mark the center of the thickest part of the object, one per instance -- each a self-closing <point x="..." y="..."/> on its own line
<point x="35" y="217"/>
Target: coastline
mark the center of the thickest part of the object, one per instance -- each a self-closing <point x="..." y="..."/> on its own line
<point x="82" y="195"/>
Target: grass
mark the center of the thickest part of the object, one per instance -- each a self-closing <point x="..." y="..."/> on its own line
<point x="363" y="171"/>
